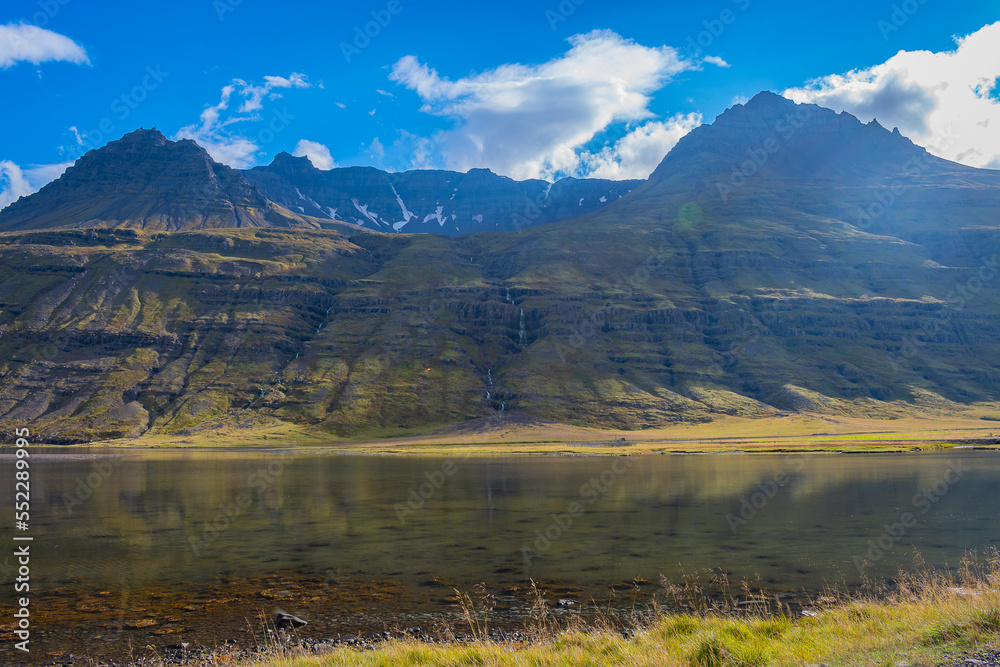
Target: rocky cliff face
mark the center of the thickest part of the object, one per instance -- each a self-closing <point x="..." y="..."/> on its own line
<point x="145" y="181"/>
<point x="438" y="202"/>
<point x="675" y="303"/>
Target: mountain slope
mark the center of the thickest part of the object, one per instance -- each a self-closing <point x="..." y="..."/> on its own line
<point x="773" y="159"/>
<point x="145" y="181"/>
<point x="435" y="201"/>
<point x="675" y="303"/>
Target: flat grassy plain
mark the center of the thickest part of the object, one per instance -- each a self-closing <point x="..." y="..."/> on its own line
<point x="977" y="425"/>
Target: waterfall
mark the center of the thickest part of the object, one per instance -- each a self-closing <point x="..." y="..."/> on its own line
<point x="521" y="332"/>
<point x="508" y="296"/>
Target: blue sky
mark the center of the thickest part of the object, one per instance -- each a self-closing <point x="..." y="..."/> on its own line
<point x="529" y="89"/>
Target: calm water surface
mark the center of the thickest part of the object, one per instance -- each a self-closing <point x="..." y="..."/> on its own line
<point x="176" y="546"/>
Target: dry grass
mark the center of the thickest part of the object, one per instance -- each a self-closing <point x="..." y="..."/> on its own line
<point x="918" y="621"/>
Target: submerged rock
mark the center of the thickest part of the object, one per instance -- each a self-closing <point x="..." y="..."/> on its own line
<point x="284" y="621"/>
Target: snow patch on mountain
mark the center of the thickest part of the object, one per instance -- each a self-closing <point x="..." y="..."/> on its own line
<point x="436" y="215"/>
<point x="364" y="211"/>
<point x="407" y="214"/>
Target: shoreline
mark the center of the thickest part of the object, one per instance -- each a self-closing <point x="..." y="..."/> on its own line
<point x="792" y="433"/>
<point x="925" y="618"/>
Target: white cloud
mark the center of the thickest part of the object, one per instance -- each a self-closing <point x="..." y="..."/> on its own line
<point x="717" y="61"/>
<point x="640" y="151"/>
<point x="17" y="182"/>
<point x="212" y="133"/>
<point x="532" y="121"/>
<point x="941" y="101"/>
<point x="20" y="42"/>
<point x="255" y="94"/>
<point x="376" y="150"/>
<point x="317" y="153"/>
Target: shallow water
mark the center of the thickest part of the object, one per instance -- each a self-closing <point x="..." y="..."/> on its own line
<point x="172" y="546"/>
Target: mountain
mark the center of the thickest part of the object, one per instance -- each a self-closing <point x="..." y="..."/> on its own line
<point x="145" y="181"/>
<point x="435" y="201"/>
<point x="841" y="271"/>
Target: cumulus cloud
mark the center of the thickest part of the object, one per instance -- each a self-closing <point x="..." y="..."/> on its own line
<point x="532" y="121"/>
<point x="21" y="42"/>
<point x="213" y="133"/>
<point x="317" y="153"/>
<point x="254" y="95"/>
<point x="16" y="182"/>
<point x="944" y="101"/>
<point x="640" y="151"/>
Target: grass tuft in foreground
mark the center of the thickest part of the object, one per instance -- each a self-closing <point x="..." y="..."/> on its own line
<point x="921" y="620"/>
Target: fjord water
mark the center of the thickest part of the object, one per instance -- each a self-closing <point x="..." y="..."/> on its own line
<point x="171" y="546"/>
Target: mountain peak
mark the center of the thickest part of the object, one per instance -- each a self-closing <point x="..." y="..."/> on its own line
<point x="144" y="180"/>
<point x="766" y="98"/>
<point x="142" y="136"/>
<point x="797" y="141"/>
<point x="284" y="157"/>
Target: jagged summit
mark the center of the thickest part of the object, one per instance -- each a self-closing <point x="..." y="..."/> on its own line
<point x="146" y="181"/>
<point x="140" y="137"/>
<point x="802" y="141"/>
<point x="430" y="200"/>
